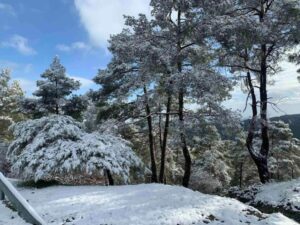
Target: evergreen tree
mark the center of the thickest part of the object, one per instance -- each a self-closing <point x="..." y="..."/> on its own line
<point x="152" y="69"/>
<point x="55" y="87"/>
<point x="254" y="36"/>
<point x="10" y="94"/>
<point x="284" y="151"/>
<point x="53" y="94"/>
<point x="75" y="106"/>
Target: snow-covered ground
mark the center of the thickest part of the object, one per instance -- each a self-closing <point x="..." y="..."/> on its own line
<point x="147" y="204"/>
<point x="8" y="217"/>
<point x="285" y="195"/>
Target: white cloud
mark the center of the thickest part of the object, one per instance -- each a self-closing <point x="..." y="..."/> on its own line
<point x="285" y="93"/>
<point x="28" y="86"/>
<point x="85" y="83"/>
<point x="18" y="68"/>
<point x="19" y="43"/>
<point x="7" y="9"/>
<point x="101" y="18"/>
<point x="75" y="46"/>
<point x="8" y="65"/>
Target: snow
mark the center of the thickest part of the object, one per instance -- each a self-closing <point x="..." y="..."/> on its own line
<point x="146" y="204"/>
<point x="20" y="198"/>
<point x="284" y="194"/>
<point x="7" y="216"/>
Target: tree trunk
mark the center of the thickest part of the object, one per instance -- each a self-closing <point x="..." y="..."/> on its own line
<point x="264" y="150"/>
<point x="260" y="161"/>
<point x="164" y="141"/>
<point x="110" y="178"/>
<point x="185" y="150"/>
<point x="151" y="138"/>
<point x="186" y="153"/>
<point x="56" y="98"/>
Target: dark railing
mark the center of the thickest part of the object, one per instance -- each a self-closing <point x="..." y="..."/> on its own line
<point x="20" y="204"/>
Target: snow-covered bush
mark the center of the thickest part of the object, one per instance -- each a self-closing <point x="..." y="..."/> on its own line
<point x="54" y="147"/>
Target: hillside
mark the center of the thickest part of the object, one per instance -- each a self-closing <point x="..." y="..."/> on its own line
<point x="146" y="204"/>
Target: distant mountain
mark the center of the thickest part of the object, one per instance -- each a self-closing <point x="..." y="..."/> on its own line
<point x="293" y="121"/>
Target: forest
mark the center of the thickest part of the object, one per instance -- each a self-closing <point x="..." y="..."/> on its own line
<point x="158" y="113"/>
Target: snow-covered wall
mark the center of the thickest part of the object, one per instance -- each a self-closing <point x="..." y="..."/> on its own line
<point x="3" y="162"/>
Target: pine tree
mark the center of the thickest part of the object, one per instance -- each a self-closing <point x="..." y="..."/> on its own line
<point x="53" y="94"/>
<point x="194" y="77"/>
<point x="55" y="87"/>
<point x="284" y="151"/>
<point x="10" y="94"/>
<point x="254" y="36"/>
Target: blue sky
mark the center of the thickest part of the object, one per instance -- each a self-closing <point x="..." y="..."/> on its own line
<point x="32" y="32"/>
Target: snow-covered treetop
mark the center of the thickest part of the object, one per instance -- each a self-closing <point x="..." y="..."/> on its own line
<point x="243" y="26"/>
<point x="56" y="83"/>
<point x="53" y="92"/>
<point x="9" y="92"/>
<point x="55" y="146"/>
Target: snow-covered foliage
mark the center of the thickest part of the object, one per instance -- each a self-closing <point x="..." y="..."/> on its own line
<point x="159" y="66"/>
<point x="284" y="151"/>
<point x="242" y="167"/>
<point x="90" y="117"/>
<point x="10" y="93"/>
<point x="295" y="57"/>
<point x="57" y="146"/>
<point x="4" y="166"/>
<point x="147" y="204"/>
<point x="252" y="40"/>
<point x="210" y="173"/>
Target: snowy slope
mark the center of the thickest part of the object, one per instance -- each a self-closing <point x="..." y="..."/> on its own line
<point x="283" y="194"/>
<point x="148" y="204"/>
<point x="7" y="216"/>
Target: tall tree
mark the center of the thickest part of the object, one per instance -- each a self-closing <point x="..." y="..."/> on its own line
<point x="163" y="60"/>
<point x="181" y="28"/>
<point x="257" y="35"/>
<point x="53" y="94"/>
<point x="130" y="75"/>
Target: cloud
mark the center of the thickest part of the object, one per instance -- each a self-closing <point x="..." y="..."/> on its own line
<point x="17" y="68"/>
<point x="101" y="18"/>
<point x="6" y="8"/>
<point x="75" y="46"/>
<point x="19" y="43"/>
<point x="85" y="83"/>
<point x="28" y="86"/>
<point x="285" y="93"/>
<point x="4" y="64"/>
